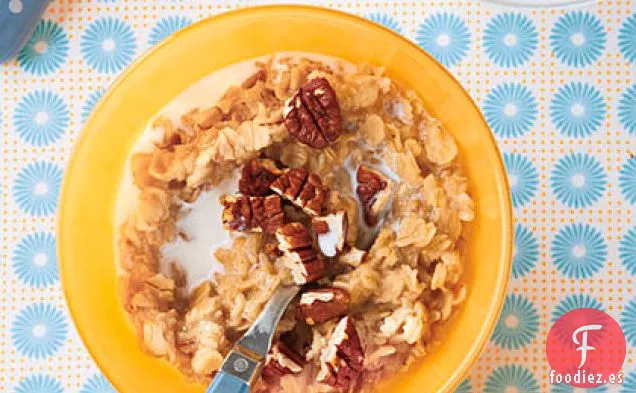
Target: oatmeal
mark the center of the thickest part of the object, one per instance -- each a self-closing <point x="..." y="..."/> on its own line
<point x="309" y="172"/>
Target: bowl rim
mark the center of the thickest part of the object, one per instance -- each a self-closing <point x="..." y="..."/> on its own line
<point x="507" y="218"/>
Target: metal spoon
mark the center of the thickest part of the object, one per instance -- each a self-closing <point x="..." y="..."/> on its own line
<point x="242" y="366"/>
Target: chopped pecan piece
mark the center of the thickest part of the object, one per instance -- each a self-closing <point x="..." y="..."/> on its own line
<point x="313" y="196"/>
<point x="313" y="116"/>
<point x="331" y="231"/>
<point x="257" y="176"/>
<point x="302" y="189"/>
<point x="299" y="255"/>
<point x="341" y="362"/>
<point x="282" y="361"/>
<point x="290" y="183"/>
<point x="374" y="192"/>
<point x="237" y="213"/>
<point x="243" y="213"/>
<point x="271" y="216"/>
<point x="320" y="305"/>
<point x="293" y="236"/>
<point x="320" y="227"/>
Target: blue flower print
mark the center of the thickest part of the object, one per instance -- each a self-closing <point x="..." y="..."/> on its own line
<point x="627" y="180"/>
<point x="627" y="39"/>
<point x="525" y="252"/>
<point x="511" y="377"/>
<point x="578" y="180"/>
<point x="627" y="250"/>
<point x="572" y="302"/>
<point x="510" y="110"/>
<point x="108" y="45"/>
<point x="166" y="27"/>
<point x="579" y="250"/>
<point x="518" y="323"/>
<point x="627" y="109"/>
<point x="628" y="322"/>
<point x="386" y="20"/>
<point x="577" y="109"/>
<point x="41" y="117"/>
<point x="36" y="188"/>
<point x="445" y="36"/>
<point x="464" y="387"/>
<point x="90" y="103"/>
<point x="39" y="331"/>
<point x="578" y="38"/>
<point x="629" y="385"/>
<point x="566" y="388"/>
<point x="97" y="384"/>
<point x="523" y="178"/>
<point x="34" y="260"/>
<point x="46" y="50"/>
<point x="39" y="383"/>
<point x="510" y="39"/>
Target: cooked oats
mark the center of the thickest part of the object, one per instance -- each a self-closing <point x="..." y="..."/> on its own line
<point x="403" y="288"/>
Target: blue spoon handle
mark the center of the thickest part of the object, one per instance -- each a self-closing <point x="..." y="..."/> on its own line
<point x="227" y="383"/>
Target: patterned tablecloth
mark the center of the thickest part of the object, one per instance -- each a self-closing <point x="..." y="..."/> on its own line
<point x="557" y="86"/>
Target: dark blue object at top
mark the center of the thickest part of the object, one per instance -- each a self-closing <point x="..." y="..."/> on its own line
<point x="18" y="18"/>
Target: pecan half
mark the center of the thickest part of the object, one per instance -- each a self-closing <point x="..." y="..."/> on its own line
<point x="302" y="189"/>
<point x="257" y="176"/>
<point x="323" y="304"/>
<point x="374" y="192"/>
<point x="281" y="361"/>
<point x="331" y="232"/>
<point x="341" y="362"/>
<point x="312" y="115"/>
<point x="299" y="255"/>
<point x="253" y="214"/>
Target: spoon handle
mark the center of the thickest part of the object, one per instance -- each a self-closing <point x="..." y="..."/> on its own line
<point x="242" y="366"/>
<point x="258" y="338"/>
<point x="228" y="383"/>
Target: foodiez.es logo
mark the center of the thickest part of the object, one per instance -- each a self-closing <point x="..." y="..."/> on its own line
<point x="586" y="348"/>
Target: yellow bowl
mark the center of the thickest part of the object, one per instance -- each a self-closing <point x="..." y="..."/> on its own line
<point x="86" y="231"/>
